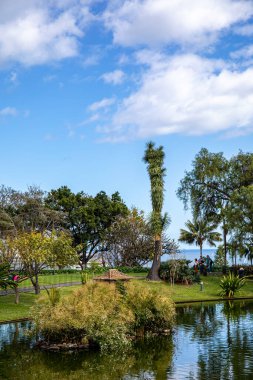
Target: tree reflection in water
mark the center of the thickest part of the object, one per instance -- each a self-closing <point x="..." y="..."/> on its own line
<point x="221" y="336"/>
<point x="211" y="341"/>
<point x="149" y="359"/>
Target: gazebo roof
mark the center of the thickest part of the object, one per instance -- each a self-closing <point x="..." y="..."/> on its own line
<point x="113" y="275"/>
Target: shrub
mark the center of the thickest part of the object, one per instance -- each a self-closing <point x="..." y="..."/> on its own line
<point x="177" y="270"/>
<point x="231" y="284"/>
<point x="104" y="315"/>
<point x="153" y="313"/>
<point x="93" y="313"/>
<point x="54" y="295"/>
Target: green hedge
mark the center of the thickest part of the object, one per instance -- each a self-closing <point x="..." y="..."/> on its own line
<point x="95" y="269"/>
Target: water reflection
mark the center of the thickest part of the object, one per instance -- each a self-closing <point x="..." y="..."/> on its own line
<point x="211" y="341"/>
<point x="148" y="360"/>
<point x="218" y="342"/>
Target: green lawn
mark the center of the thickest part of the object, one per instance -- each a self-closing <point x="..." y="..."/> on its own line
<point x="52" y="279"/>
<point x="10" y="311"/>
<point x="179" y="293"/>
<point x="211" y="288"/>
<point x="62" y="278"/>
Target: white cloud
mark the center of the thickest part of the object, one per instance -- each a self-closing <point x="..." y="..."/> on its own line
<point x="245" y="52"/>
<point x="102" y="104"/>
<point x="8" y="111"/>
<point x="14" y="77"/>
<point x="36" y="32"/>
<point x="186" y="94"/>
<point x="49" y="78"/>
<point x="195" y="22"/>
<point x="245" y="30"/>
<point x="115" y="77"/>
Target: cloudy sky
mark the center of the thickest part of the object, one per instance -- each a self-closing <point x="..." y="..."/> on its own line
<point x="86" y="83"/>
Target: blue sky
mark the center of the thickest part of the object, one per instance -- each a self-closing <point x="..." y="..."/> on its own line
<point x="85" y="84"/>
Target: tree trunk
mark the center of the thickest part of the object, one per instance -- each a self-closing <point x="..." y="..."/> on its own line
<point x="225" y="248"/>
<point x="37" y="287"/>
<point x="36" y="284"/>
<point x="201" y="250"/>
<point x="153" y="274"/>
<point x="16" y="295"/>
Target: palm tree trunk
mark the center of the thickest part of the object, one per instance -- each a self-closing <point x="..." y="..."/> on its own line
<point x="201" y="249"/>
<point x="153" y="274"/>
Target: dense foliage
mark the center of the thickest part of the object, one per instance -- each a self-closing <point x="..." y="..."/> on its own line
<point x="104" y="315"/>
<point x="87" y="218"/>
<point x="35" y="251"/>
<point x="177" y="271"/>
<point x="130" y="241"/>
<point x="220" y="190"/>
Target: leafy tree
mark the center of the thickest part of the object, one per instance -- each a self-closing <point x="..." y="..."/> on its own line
<point x="5" y="281"/>
<point x="212" y="185"/>
<point x="8" y="254"/>
<point x="36" y="251"/>
<point x="87" y="218"/>
<point x="154" y="158"/>
<point x="26" y="211"/>
<point x="130" y="240"/>
<point x="240" y="216"/>
<point x="200" y="231"/>
<point x="6" y="224"/>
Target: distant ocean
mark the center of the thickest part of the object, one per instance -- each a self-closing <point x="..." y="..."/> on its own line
<point x="192" y="254"/>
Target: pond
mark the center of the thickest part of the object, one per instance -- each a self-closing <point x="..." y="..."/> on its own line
<point x="211" y="341"/>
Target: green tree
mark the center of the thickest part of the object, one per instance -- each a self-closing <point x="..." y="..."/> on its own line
<point x="87" y="218"/>
<point x="130" y="240"/>
<point x="36" y="251"/>
<point x="240" y="216"/>
<point x="6" y="224"/>
<point x="26" y="211"/>
<point x="200" y="231"/>
<point x="154" y="158"/>
<point x="212" y="184"/>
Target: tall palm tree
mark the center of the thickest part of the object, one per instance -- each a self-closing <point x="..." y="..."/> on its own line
<point x="200" y="231"/>
<point x="154" y="158"/>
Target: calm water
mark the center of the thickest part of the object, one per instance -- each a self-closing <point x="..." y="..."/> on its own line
<point x="211" y="341"/>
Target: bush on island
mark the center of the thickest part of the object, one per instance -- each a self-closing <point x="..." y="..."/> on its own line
<point x="104" y="315"/>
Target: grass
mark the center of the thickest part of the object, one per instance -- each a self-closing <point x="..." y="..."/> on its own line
<point x="187" y="293"/>
<point x="66" y="278"/>
<point x="10" y="311"/>
<point x="50" y="279"/>
<point x="53" y="279"/>
<point x="179" y="293"/>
